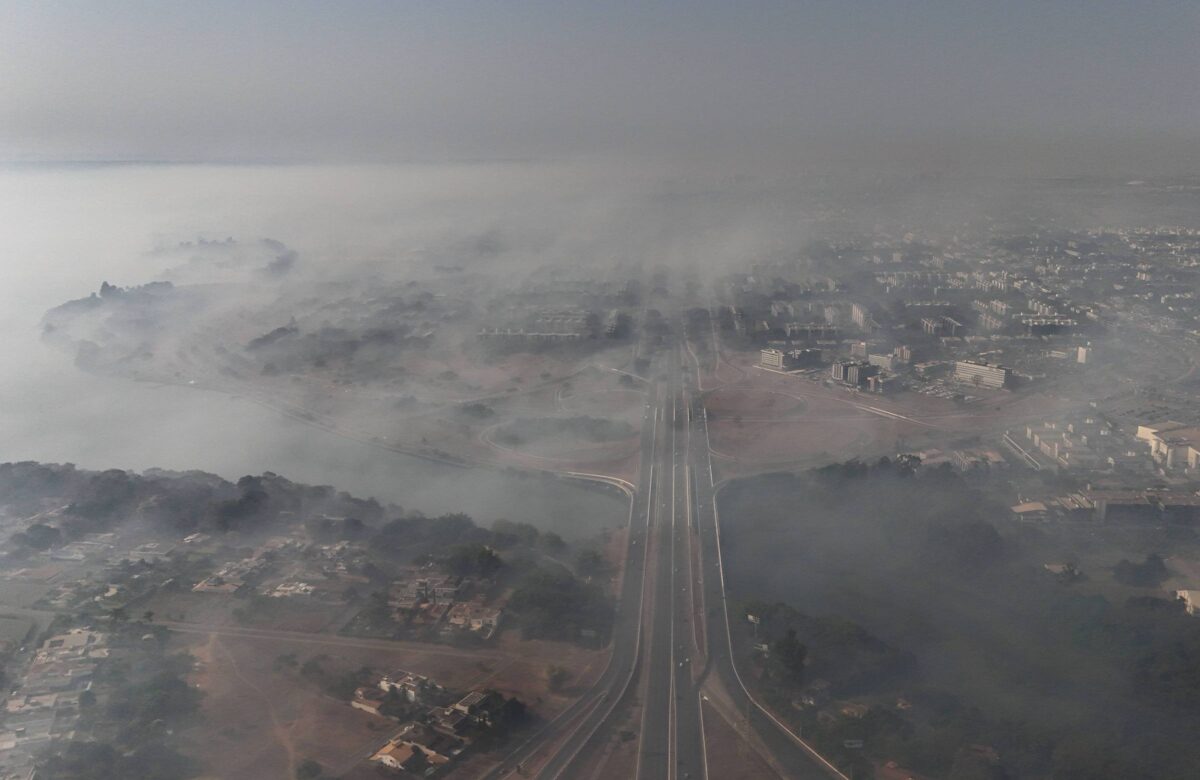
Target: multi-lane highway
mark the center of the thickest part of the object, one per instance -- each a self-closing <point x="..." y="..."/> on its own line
<point x="574" y="728"/>
<point x="671" y="742"/>
<point x="792" y="757"/>
<point x="672" y="643"/>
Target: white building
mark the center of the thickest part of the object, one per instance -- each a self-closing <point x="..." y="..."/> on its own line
<point x="1172" y="444"/>
<point x="772" y="358"/>
<point x="982" y="374"/>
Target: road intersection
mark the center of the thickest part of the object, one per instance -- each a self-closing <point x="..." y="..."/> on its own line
<point x="672" y="642"/>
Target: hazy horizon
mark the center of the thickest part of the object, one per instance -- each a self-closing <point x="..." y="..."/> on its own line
<point x="801" y="387"/>
<point x="932" y="87"/>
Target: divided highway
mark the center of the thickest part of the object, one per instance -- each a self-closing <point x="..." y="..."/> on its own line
<point x="671" y="740"/>
<point x="672" y="577"/>
<point x="797" y="760"/>
<point x="579" y="723"/>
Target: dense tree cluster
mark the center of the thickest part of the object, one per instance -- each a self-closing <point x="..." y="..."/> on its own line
<point x="554" y="604"/>
<point x="1148" y="574"/>
<point x="454" y="538"/>
<point x="171" y="501"/>
<point x="473" y="560"/>
<point x="1061" y="677"/>
<point x="143" y="699"/>
<point x="829" y="648"/>
<point x="791" y="654"/>
<point x="77" y="760"/>
<point x="321" y="671"/>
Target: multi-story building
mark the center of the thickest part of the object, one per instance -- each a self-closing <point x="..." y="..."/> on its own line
<point x="989" y="321"/>
<point x="810" y="331"/>
<point x="941" y="326"/>
<point x="861" y="316"/>
<point x="785" y="361"/>
<point x="1046" y="326"/>
<point x="772" y="358"/>
<point x="885" y="362"/>
<point x="982" y="374"/>
<point x="858" y="373"/>
<point x="1172" y="444"/>
<point x="853" y="372"/>
<point x="881" y="383"/>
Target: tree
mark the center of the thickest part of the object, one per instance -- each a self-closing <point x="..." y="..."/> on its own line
<point x="1147" y="574"/>
<point x="590" y="563"/>
<point x="38" y="536"/>
<point x="143" y="708"/>
<point x="473" y="559"/>
<point x="556" y="677"/>
<point x="315" y="666"/>
<point x="285" y="661"/>
<point x="791" y="654"/>
<point x="506" y="533"/>
<point x="553" y="542"/>
<point x="552" y="603"/>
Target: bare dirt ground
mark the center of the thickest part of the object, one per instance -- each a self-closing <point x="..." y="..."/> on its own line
<point x="616" y="547"/>
<point x="261" y="721"/>
<point x="473" y="378"/>
<point x="258" y="724"/>
<point x="593" y="394"/>
<point x="613" y="753"/>
<point x="418" y="411"/>
<point x="1185" y="572"/>
<point x="762" y="419"/>
<point x="285" y="614"/>
<point x="729" y="755"/>
<point x="443" y="431"/>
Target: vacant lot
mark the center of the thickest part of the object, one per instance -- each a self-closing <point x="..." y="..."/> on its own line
<point x="730" y="754"/>
<point x="283" y="614"/>
<point x="762" y="419"/>
<point x="261" y="718"/>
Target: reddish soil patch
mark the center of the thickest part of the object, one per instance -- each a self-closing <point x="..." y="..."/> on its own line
<point x="833" y="423"/>
<point x="260" y="721"/>
<point x="612" y="753"/>
<point x="619" y="403"/>
<point x="750" y="401"/>
<point x="729" y="754"/>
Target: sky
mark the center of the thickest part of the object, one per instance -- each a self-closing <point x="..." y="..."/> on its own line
<point x="1089" y="83"/>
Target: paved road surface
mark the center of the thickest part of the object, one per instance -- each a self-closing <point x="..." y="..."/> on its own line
<point x="674" y="512"/>
<point x="671" y="741"/>
<point x="579" y="722"/>
<point x="797" y="761"/>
